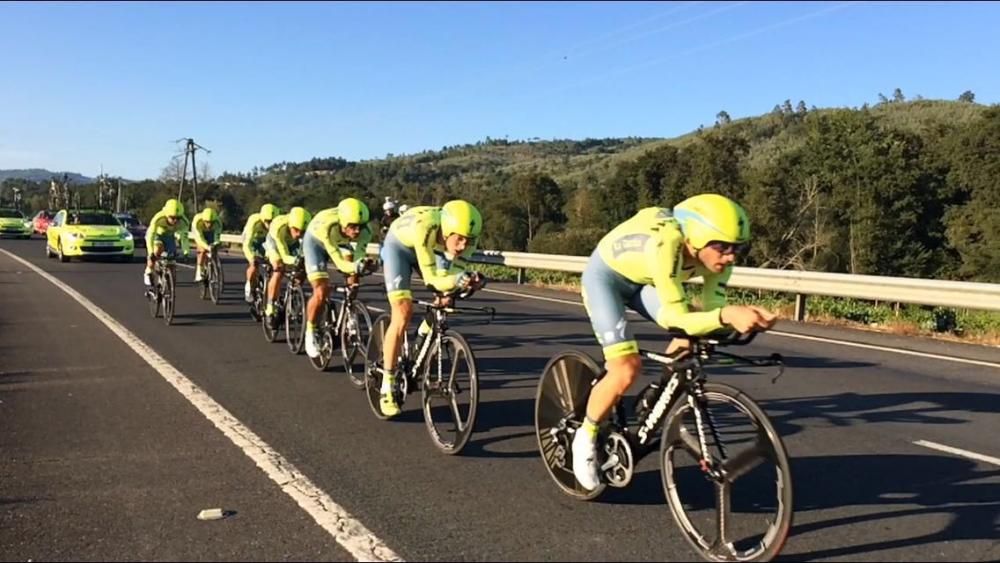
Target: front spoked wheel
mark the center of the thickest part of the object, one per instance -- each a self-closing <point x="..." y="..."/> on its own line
<point x="169" y="293"/>
<point x="721" y="521"/>
<point x="258" y="288"/>
<point x="153" y="295"/>
<point x="354" y="333"/>
<point x="450" y="392"/>
<point x="295" y="320"/>
<point x="215" y="279"/>
<point x="560" y="407"/>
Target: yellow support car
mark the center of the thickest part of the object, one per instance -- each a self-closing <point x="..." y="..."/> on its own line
<point x="88" y="232"/>
<point x="13" y="223"/>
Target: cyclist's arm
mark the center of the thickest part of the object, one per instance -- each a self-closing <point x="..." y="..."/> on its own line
<point x="334" y="250"/>
<point x="674" y="311"/>
<point x="199" y="237"/>
<point x="248" y="232"/>
<point x="154" y="228"/>
<point x="217" y="231"/>
<point x="183" y="227"/>
<point x="443" y="280"/>
<point x="282" y="245"/>
<point x="361" y="245"/>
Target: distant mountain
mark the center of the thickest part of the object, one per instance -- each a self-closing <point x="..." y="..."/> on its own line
<point x="42" y="175"/>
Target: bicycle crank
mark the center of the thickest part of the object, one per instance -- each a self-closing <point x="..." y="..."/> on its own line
<point x="619" y="468"/>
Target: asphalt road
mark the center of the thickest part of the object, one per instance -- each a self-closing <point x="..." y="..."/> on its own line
<point x="101" y="458"/>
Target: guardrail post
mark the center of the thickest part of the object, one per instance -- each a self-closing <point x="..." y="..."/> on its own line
<point x="520" y="276"/>
<point x="800" y="307"/>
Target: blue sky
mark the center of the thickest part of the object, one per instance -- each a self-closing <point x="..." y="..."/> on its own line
<point x="85" y="84"/>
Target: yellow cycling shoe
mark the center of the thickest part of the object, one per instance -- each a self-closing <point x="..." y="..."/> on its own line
<point x="388" y="404"/>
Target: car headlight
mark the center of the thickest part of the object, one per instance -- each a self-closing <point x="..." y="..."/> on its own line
<point x="27" y="225"/>
<point x="73" y="235"/>
<point x="126" y="236"/>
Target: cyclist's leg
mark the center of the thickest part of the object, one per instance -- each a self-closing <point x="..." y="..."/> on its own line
<point x="251" y="250"/>
<point x="316" y="262"/>
<point x="151" y="258"/>
<point x="604" y="296"/>
<point x="398" y="262"/>
<point x="278" y="269"/>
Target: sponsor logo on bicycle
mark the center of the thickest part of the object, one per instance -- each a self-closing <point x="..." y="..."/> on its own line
<point x="658" y="408"/>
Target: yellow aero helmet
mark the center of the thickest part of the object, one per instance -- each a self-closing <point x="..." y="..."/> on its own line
<point x="708" y="217"/>
<point x="268" y="211"/>
<point x="461" y="217"/>
<point x="298" y="218"/>
<point x="173" y="208"/>
<point x="353" y="211"/>
<point x="209" y="214"/>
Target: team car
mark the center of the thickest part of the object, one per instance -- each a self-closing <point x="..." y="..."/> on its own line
<point x="88" y="232"/>
<point x="13" y="223"/>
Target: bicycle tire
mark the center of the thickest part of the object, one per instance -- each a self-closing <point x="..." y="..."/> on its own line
<point x="430" y="388"/>
<point x="153" y="295"/>
<point x="295" y="319"/>
<point x="563" y="391"/>
<point x="767" y="446"/>
<point x="354" y="336"/>
<point x="215" y="280"/>
<point x="258" y="292"/>
<point x="169" y="295"/>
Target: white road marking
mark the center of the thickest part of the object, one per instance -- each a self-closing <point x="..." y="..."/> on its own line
<point x="884" y="349"/>
<point x="790" y="335"/>
<point x="957" y="451"/>
<point x="351" y="534"/>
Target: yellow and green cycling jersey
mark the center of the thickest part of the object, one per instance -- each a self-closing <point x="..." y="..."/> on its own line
<point x="204" y="229"/>
<point x="254" y="234"/>
<point x="159" y="229"/>
<point x="419" y="229"/>
<point x="647" y="250"/>
<point x="280" y="244"/>
<point x="325" y="228"/>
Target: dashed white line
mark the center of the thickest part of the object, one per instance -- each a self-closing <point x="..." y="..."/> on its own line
<point x="958" y="451"/>
<point x="351" y="534"/>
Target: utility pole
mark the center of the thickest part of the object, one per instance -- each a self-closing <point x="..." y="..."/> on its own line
<point x="189" y="153"/>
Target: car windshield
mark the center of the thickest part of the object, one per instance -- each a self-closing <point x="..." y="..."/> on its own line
<point x="44" y="215"/>
<point x="10" y="214"/>
<point x="84" y="218"/>
<point x="129" y="221"/>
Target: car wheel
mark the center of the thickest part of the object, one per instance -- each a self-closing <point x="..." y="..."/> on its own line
<point x="48" y="250"/>
<point x="62" y="257"/>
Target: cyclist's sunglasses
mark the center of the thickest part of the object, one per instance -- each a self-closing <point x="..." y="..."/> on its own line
<point x="738" y="248"/>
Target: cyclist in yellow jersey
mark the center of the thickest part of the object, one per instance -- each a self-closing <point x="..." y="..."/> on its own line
<point x="438" y="241"/>
<point x="282" y="248"/>
<point x="641" y="264"/>
<point x="254" y="235"/>
<point x="340" y="234"/>
<point x="207" y="229"/>
<point x="164" y="228"/>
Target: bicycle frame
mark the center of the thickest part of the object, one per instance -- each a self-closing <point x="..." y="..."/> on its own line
<point x="437" y="318"/>
<point x="686" y="375"/>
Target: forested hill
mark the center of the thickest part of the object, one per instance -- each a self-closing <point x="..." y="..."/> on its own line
<point x="899" y="188"/>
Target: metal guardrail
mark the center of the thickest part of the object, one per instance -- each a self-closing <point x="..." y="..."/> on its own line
<point x="960" y="295"/>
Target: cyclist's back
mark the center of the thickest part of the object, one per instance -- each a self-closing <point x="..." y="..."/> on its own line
<point x="325" y="227"/>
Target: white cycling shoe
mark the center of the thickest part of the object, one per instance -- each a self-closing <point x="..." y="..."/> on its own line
<point x="585" y="461"/>
<point x="312" y="348"/>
